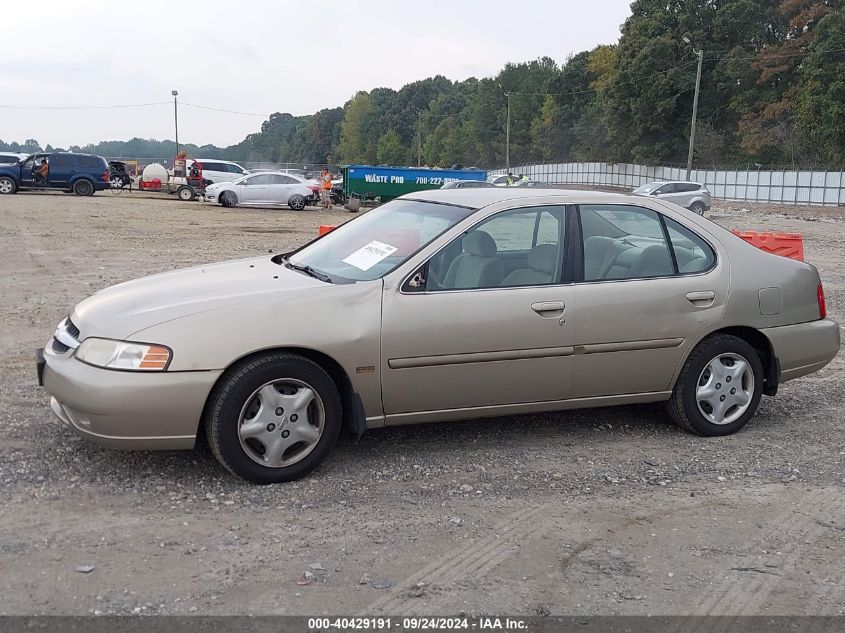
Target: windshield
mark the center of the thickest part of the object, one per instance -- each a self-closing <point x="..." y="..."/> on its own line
<point x="376" y="243"/>
<point x="648" y="188"/>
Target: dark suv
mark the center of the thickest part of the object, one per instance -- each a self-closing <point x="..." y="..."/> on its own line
<point x="83" y="174"/>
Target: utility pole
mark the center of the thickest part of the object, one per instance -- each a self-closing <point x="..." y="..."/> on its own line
<point x="508" y="136"/>
<point x="419" y="138"/>
<point x="700" y="54"/>
<point x="175" y="94"/>
<point x="507" y="131"/>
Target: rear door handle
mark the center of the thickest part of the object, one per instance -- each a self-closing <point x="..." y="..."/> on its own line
<point x="548" y="308"/>
<point x="701" y="296"/>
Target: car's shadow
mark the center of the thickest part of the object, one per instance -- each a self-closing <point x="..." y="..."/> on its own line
<point x="535" y="436"/>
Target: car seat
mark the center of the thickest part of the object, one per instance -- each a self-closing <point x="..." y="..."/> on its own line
<point x="477" y="266"/>
<point x="543" y="261"/>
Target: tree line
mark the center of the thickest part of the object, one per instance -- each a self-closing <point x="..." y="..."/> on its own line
<point x="772" y="93"/>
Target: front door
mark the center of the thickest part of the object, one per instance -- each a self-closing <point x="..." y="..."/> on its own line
<point x="646" y="294"/>
<point x="253" y="189"/>
<point x="28" y="169"/>
<point x="484" y="321"/>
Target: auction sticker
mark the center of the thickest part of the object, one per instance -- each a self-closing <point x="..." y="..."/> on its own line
<point x="368" y="256"/>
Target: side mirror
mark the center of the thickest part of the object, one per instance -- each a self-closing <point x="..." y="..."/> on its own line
<point x="416" y="281"/>
<point x="656" y="192"/>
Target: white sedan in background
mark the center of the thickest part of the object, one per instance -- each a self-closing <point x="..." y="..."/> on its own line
<point x="268" y="188"/>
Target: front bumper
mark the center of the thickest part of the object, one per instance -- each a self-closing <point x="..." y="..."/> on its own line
<point x="124" y="409"/>
<point x="804" y="348"/>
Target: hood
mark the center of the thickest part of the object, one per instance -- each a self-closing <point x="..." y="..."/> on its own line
<point x="121" y="310"/>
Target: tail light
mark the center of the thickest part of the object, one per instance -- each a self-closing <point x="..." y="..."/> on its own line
<point x="822" y="304"/>
<point x="106" y="176"/>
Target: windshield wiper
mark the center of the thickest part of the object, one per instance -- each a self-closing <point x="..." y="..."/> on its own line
<point x="316" y="274"/>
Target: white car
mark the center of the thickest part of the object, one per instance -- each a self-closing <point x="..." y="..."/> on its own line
<point x="219" y="170"/>
<point x="691" y="195"/>
<point x="268" y="188"/>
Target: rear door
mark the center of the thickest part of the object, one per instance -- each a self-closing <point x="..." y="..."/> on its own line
<point x="280" y="189"/>
<point x="62" y="167"/>
<point x="648" y="287"/>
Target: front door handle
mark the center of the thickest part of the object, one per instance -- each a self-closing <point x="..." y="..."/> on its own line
<point x="701" y="297"/>
<point x="548" y="309"/>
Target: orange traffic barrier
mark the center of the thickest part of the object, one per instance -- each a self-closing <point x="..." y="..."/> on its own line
<point x="785" y="244"/>
<point x="325" y="228"/>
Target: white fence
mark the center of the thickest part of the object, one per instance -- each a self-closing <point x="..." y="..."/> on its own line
<point x="784" y="186"/>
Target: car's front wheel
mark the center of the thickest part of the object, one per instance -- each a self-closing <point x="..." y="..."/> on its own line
<point x="7" y="185"/>
<point x="719" y="387"/>
<point x="296" y="202"/>
<point x="274" y="418"/>
<point x="228" y="199"/>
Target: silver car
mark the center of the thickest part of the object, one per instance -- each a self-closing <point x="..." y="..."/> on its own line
<point x="690" y="195"/>
<point x="441" y="305"/>
<point x="267" y="188"/>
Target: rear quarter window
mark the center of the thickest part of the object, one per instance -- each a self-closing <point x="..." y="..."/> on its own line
<point x="90" y="163"/>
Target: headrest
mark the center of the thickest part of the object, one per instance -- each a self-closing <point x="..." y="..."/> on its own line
<point x="543" y="257"/>
<point x="479" y="243"/>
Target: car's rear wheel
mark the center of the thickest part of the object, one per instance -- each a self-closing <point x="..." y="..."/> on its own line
<point x="719" y="387"/>
<point x="296" y="202"/>
<point x="185" y="193"/>
<point x="7" y="185"/>
<point x="228" y="199"/>
<point x="274" y="418"/>
<point x="83" y="187"/>
<point x="697" y="208"/>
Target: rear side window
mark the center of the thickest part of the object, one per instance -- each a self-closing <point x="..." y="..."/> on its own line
<point x="63" y="161"/>
<point x="90" y="163"/>
<point x="209" y="166"/>
<point x="624" y="242"/>
<point x="692" y="253"/>
<point x="8" y="160"/>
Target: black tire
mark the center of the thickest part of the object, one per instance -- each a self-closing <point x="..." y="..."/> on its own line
<point x="83" y="187"/>
<point x="697" y="208"/>
<point x="228" y="199"/>
<point x="7" y="185"/>
<point x="234" y="392"/>
<point x="683" y="406"/>
<point x="186" y="193"/>
<point x="296" y="202"/>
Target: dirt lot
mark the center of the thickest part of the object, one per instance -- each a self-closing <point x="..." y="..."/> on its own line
<point x="606" y="511"/>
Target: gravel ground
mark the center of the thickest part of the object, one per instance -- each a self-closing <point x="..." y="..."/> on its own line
<point x="603" y="511"/>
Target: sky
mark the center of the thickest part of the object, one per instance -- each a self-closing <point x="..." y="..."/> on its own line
<point x="256" y="56"/>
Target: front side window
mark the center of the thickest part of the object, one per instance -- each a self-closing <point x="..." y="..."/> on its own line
<point x="520" y="247"/>
<point x="260" y="179"/>
<point x="376" y="243"/>
<point x="623" y="242"/>
<point x="233" y="169"/>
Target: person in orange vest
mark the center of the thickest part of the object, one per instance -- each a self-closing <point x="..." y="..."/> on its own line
<point x="326" y="188"/>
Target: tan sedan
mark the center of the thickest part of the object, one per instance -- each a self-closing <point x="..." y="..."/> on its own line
<point x="442" y="305"/>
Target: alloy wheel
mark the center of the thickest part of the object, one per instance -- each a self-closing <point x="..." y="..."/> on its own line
<point x="281" y="422"/>
<point x="725" y="388"/>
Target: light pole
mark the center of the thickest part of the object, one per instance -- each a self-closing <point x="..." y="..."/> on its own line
<point x="700" y="54"/>
<point x="175" y="94"/>
<point x="419" y="138"/>
<point x="507" y="132"/>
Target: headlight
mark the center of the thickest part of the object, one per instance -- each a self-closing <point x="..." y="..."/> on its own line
<point x="123" y="355"/>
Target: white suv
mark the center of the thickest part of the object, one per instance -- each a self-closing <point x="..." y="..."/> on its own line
<point x="692" y="195"/>
<point x="219" y="170"/>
